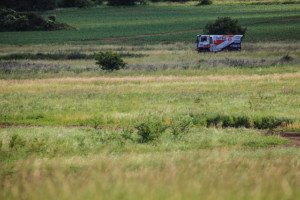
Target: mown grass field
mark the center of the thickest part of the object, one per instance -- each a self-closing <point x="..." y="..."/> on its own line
<point x="264" y="23"/>
<point x="173" y="124"/>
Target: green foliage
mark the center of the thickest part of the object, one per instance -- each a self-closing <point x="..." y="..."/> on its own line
<point x="224" y="26"/>
<point x="11" y="20"/>
<point x="143" y="2"/>
<point x="122" y="2"/>
<point x="127" y="133"/>
<point x="17" y="142"/>
<point x="180" y="126"/>
<point x="108" y="60"/>
<point x="78" y="3"/>
<point x="96" y="121"/>
<point x="287" y="58"/>
<point x="205" y="2"/>
<point x="150" y="129"/>
<point x="29" y="5"/>
<point x="220" y="120"/>
<point x="83" y="3"/>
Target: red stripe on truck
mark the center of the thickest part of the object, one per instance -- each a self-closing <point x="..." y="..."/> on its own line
<point x="217" y="42"/>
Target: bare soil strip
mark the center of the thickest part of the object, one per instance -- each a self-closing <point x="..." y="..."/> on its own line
<point x="290" y="19"/>
<point x="294" y="137"/>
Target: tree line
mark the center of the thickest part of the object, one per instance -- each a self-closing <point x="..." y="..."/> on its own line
<point x="40" y="5"/>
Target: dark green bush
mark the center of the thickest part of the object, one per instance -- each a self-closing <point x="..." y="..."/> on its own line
<point x="227" y="121"/>
<point x="205" y="2"/>
<point x="29" y="5"/>
<point x="144" y="2"/>
<point x="108" y="60"/>
<point x="11" y="20"/>
<point x="286" y="58"/>
<point x="150" y="129"/>
<point x="83" y="3"/>
<point x="243" y="121"/>
<point x="122" y="2"/>
<point x="78" y="3"/>
<point x="267" y="122"/>
<point x="224" y="26"/>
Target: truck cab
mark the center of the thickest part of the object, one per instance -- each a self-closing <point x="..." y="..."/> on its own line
<point x="203" y="43"/>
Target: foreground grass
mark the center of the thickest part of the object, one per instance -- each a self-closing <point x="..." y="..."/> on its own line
<point x="210" y="163"/>
<point x="87" y="163"/>
<point x="176" y="175"/>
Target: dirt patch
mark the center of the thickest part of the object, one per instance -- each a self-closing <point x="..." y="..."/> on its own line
<point x="291" y="136"/>
<point x="289" y="19"/>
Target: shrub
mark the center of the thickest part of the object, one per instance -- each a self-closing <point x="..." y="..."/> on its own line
<point x="11" y="20"/>
<point x="205" y="2"/>
<point x="198" y="119"/>
<point x="29" y="5"/>
<point x="122" y="2"/>
<point x="220" y="120"/>
<point x="144" y="2"/>
<point x="286" y="58"/>
<point x="150" y="130"/>
<point x="52" y="17"/>
<point x="227" y="121"/>
<point x="180" y="126"/>
<point x="243" y="121"/>
<point x="17" y="142"/>
<point x="127" y="133"/>
<point x="96" y="121"/>
<point x="109" y="60"/>
<point x="83" y="3"/>
<point x="97" y="2"/>
<point x="224" y="26"/>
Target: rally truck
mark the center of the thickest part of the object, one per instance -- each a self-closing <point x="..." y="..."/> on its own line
<point x="216" y="43"/>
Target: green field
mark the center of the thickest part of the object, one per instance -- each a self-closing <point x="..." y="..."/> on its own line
<point x="264" y="23"/>
<point x="173" y="124"/>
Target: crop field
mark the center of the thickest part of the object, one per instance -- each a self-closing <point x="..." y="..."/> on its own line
<point x="173" y="124"/>
<point x="145" y="24"/>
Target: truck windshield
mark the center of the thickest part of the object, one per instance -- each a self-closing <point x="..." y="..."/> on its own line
<point x="203" y="39"/>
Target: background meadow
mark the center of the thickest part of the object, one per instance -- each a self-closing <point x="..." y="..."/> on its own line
<point x="173" y="124"/>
